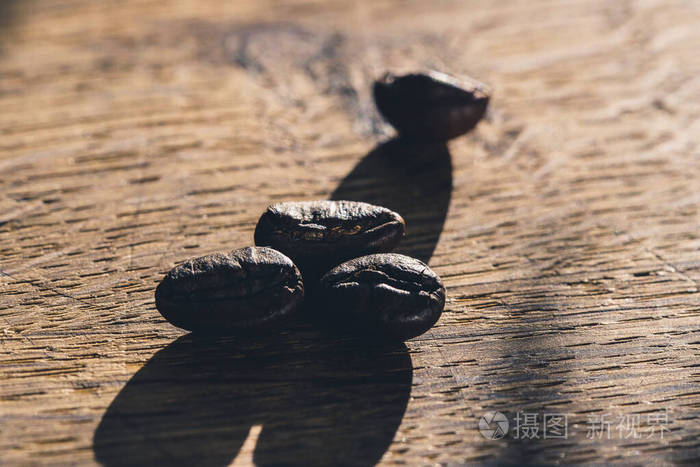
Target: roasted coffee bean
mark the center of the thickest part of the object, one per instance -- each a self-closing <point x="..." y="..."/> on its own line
<point x="222" y="293"/>
<point x="389" y="295"/>
<point x="432" y="106"/>
<point x="318" y="235"/>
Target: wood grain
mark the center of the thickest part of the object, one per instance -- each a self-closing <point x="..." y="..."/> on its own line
<point x="138" y="133"/>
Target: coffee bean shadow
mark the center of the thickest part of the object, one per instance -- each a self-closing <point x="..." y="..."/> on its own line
<point x="411" y="178"/>
<point x="318" y="397"/>
<point x="317" y="400"/>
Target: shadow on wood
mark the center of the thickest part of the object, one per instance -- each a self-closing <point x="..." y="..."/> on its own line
<point x="532" y="396"/>
<point x="319" y="402"/>
<point x="410" y="178"/>
<point x="8" y="13"/>
<point x="321" y="399"/>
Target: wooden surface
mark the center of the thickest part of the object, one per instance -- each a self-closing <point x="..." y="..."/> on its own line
<point x="135" y="134"/>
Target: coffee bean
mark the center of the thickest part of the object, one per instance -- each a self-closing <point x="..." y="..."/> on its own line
<point x="390" y="295"/>
<point x="221" y="293"/>
<point x="318" y="235"/>
<point x="432" y="106"/>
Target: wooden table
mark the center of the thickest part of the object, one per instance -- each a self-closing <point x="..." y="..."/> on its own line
<point x="135" y="134"/>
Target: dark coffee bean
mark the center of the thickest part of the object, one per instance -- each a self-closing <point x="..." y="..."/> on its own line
<point x="387" y="294"/>
<point x="221" y="293"/>
<point x="318" y="235"/>
<point x="432" y="106"/>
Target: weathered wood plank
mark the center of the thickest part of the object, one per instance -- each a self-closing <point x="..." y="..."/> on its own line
<point x="136" y="134"/>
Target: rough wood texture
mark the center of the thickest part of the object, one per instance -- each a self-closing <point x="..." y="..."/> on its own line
<point x="135" y="134"/>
